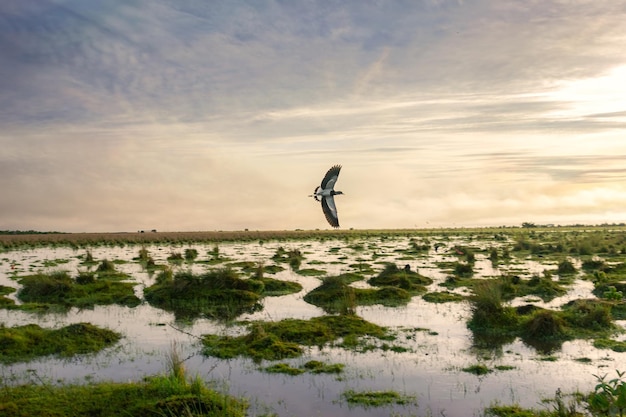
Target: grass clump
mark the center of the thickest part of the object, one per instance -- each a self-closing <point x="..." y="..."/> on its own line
<point x="86" y="290"/>
<point x="293" y="257"/>
<point x="274" y="287"/>
<point x="442" y="297"/>
<point x="218" y="294"/>
<point x="6" y="302"/>
<point x="283" y="368"/>
<point x="335" y="295"/>
<point x="614" y="345"/>
<point x="24" y="343"/>
<point x="314" y="367"/>
<point x="170" y="395"/>
<point x="376" y="398"/>
<point x="489" y="316"/>
<point x="477" y="369"/>
<point x="392" y="276"/>
<point x="543" y="329"/>
<point x="284" y="339"/>
<point x="191" y="254"/>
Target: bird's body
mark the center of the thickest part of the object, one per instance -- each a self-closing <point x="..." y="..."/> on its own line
<point x="326" y="194"/>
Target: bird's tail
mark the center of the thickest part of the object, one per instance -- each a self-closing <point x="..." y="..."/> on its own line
<point x="314" y="195"/>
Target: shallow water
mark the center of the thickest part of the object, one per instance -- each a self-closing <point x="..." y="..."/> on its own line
<point x="436" y="334"/>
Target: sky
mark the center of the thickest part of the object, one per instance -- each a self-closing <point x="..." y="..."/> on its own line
<point x="196" y="115"/>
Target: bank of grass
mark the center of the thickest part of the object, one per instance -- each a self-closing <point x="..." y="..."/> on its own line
<point x="24" y="343"/>
<point x="83" y="291"/>
<point x="286" y="338"/>
<point x="220" y="294"/>
<point x="169" y="395"/>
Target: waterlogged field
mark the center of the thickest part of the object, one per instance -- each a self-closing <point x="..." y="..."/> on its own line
<point x="354" y="323"/>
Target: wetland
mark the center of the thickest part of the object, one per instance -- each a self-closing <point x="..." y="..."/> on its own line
<point x="454" y="322"/>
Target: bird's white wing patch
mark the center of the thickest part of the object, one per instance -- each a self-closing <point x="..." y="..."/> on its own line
<point x="331" y="177"/>
<point x="330" y="211"/>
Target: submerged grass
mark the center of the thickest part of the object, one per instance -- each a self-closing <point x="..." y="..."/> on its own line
<point x="24" y="343"/>
<point x="377" y="398"/>
<point x="314" y="367"/>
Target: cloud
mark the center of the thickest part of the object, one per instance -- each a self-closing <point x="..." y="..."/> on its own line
<point x="211" y="115"/>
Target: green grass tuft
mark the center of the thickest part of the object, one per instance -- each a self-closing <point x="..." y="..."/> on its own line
<point x="24" y="343"/>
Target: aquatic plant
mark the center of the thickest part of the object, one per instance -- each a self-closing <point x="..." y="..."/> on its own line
<point x="24" y="343"/>
<point x="566" y="267"/>
<point x="478" y="369"/>
<point x="608" y="397"/>
<point x="314" y="367"/>
<point x="191" y="254"/>
<point x="175" y="258"/>
<point x="292" y="256"/>
<point x="489" y="315"/>
<point x="376" y="398"/>
<point x="463" y="270"/>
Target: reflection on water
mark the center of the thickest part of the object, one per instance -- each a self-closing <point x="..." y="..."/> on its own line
<point x="438" y="341"/>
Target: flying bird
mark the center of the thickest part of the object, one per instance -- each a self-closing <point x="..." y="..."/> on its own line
<point x="326" y="194"/>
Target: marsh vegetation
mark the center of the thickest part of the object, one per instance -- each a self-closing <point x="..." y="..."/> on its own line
<point x="385" y="322"/>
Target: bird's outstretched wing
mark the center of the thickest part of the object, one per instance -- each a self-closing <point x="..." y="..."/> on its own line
<point x="330" y="211"/>
<point x="328" y="183"/>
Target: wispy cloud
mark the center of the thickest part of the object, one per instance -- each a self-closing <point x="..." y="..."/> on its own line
<point x="222" y="114"/>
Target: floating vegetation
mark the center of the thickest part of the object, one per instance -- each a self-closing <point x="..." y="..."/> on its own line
<point x="24" y="343"/>
<point x="86" y="290"/>
<point x="284" y="339"/>
<point x="314" y="367"/>
<point x="377" y="398"/>
<point x="477" y="369"/>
